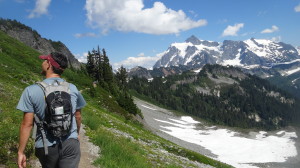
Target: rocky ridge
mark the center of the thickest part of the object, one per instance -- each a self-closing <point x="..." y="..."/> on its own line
<point x="34" y="40"/>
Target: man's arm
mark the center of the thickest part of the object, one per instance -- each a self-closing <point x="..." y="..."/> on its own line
<point x="78" y="119"/>
<point x="25" y="130"/>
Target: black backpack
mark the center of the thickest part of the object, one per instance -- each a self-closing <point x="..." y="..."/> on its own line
<point x="58" y="112"/>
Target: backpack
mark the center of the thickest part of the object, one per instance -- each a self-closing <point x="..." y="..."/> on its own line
<point x="58" y="112"/>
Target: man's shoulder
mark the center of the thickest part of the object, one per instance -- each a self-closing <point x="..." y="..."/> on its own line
<point x="73" y="88"/>
<point x="33" y="87"/>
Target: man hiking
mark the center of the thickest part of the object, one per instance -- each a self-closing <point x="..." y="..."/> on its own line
<point x="54" y="106"/>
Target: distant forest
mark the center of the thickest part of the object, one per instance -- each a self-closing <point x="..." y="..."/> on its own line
<point x="237" y="105"/>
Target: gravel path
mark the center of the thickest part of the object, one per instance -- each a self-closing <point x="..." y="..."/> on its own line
<point x="89" y="152"/>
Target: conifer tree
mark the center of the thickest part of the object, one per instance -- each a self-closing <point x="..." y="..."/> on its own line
<point x="121" y="77"/>
<point x="90" y="66"/>
<point x="107" y="69"/>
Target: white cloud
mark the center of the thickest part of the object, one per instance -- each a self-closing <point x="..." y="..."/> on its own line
<point x="131" y="16"/>
<point x="276" y="39"/>
<point x="272" y="30"/>
<point x="79" y="35"/>
<point x="140" y="60"/>
<point x="297" y="8"/>
<point x="81" y="57"/>
<point x="232" y="30"/>
<point x="41" y="8"/>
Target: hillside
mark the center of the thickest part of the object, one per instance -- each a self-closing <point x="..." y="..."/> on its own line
<point x="122" y="140"/>
<point x="33" y="39"/>
<point x="223" y="95"/>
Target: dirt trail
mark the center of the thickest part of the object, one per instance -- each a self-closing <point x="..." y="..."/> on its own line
<point x="89" y="152"/>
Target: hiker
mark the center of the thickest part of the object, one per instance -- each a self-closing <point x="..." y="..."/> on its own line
<point x="54" y="106"/>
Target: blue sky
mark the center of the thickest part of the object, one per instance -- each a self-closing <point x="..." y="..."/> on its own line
<point x="134" y="32"/>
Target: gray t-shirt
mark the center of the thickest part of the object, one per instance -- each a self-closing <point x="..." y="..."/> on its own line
<point x="32" y="100"/>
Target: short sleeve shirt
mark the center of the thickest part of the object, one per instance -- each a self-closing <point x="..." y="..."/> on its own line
<point x="32" y="101"/>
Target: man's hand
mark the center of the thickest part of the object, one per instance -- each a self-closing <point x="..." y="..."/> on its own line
<point x="78" y="119"/>
<point x="21" y="160"/>
<point x="25" y="130"/>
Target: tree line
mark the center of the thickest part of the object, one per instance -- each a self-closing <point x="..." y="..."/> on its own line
<point x="99" y="68"/>
<point x="244" y="104"/>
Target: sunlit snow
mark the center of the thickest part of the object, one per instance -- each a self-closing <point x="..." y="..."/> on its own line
<point x="148" y="107"/>
<point x="182" y="47"/>
<point x="286" y="73"/>
<point x="234" y="62"/>
<point x="232" y="148"/>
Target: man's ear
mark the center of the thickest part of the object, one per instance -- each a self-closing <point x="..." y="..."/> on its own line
<point x="48" y="65"/>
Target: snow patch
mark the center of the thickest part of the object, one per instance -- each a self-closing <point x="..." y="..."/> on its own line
<point x="231" y="148"/>
<point x="182" y="48"/>
<point x="189" y="120"/>
<point x="197" y="70"/>
<point x="290" y="72"/>
<point x="149" y="107"/>
<point x="294" y="81"/>
<point x="234" y="62"/>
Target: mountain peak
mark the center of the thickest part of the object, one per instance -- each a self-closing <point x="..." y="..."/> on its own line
<point x="193" y="39"/>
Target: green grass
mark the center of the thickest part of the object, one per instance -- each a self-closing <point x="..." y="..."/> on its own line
<point x="123" y="142"/>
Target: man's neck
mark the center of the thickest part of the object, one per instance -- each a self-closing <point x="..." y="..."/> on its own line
<point x="52" y="75"/>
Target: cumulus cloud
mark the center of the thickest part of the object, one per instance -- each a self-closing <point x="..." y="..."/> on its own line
<point x="131" y="16"/>
<point x="297" y="8"/>
<point x="81" y="57"/>
<point x="41" y="8"/>
<point x="232" y="30"/>
<point x="272" y="30"/>
<point x="140" y="60"/>
<point x="80" y="35"/>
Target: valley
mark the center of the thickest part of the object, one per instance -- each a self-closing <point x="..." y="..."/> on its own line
<point x="237" y="147"/>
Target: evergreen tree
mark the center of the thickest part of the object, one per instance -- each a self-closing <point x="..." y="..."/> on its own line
<point x="90" y="66"/>
<point x="121" y="77"/>
<point x="107" y="69"/>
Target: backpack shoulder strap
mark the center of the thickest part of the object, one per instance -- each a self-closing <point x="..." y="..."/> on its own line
<point x="65" y="85"/>
<point x="43" y="86"/>
<point x="41" y="128"/>
<point x="38" y="124"/>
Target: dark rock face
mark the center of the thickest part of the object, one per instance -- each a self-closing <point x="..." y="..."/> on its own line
<point x="139" y="72"/>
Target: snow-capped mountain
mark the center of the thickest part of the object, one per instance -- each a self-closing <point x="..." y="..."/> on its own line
<point x="247" y="54"/>
<point x="193" y="52"/>
<point x="277" y="61"/>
